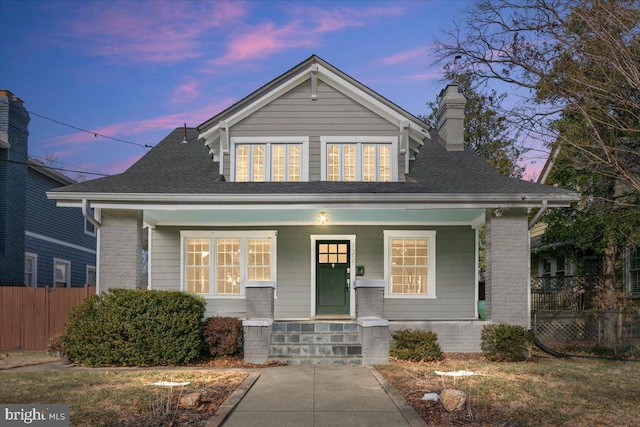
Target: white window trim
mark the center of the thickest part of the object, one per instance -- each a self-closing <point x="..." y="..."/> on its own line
<point x="34" y="270"/>
<point x="359" y="141"/>
<point x="431" y="266"/>
<point x="68" y="264"/>
<point x="627" y="271"/>
<point x="268" y="141"/>
<point x="213" y="234"/>
<point x="90" y="267"/>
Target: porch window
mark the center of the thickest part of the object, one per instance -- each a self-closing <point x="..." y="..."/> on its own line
<point x="369" y="159"/>
<point x="269" y="159"/>
<point x="634" y="272"/>
<point x="227" y="259"/>
<point x="410" y="263"/>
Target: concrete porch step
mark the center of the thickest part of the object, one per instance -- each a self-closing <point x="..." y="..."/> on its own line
<point x="319" y="361"/>
<point x="332" y="343"/>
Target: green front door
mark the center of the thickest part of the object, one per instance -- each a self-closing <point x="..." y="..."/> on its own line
<point x="332" y="277"/>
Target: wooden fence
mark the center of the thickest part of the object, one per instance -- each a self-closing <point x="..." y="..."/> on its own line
<point x="30" y="316"/>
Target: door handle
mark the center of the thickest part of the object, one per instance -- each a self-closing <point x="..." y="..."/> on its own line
<point x="348" y="286"/>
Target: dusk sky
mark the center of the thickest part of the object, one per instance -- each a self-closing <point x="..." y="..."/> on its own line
<point x="135" y="70"/>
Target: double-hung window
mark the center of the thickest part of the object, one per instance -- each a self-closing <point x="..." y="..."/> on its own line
<point x="269" y="159"/>
<point x="220" y="263"/>
<point x="410" y="263"/>
<point x="30" y="269"/>
<point x="359" y="158"/>
<point x="61" y="273"/>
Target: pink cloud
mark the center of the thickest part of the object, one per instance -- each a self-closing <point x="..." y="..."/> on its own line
<point x="186" y="92"/>
<point x="149" y="31"/>
<point x="304" y="30"/>
<point x="407" y="55"/>
<point x="129" y="129"/>
<point x="263" y="41"/>
<point x="336" y="19"/>
<point x="425" y="76"/>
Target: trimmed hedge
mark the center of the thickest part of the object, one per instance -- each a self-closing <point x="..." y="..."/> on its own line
<point x="416" y="345"/>
<point x="132" y="327"/>
<point x="505" y="343"/>
<point x="223" y="336"/>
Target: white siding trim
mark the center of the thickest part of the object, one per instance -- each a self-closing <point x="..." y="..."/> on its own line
<point x="149" y="256"/>
<point x="352" y="263"/>
<point x="58" y="242"/>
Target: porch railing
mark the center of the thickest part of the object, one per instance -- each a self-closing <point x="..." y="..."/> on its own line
<point x="571" y="293"/>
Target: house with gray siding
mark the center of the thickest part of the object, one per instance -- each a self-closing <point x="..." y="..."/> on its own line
<point x="40" y="244"/>
<point x="324" y="216"/>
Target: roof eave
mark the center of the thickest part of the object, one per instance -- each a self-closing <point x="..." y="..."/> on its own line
<point x="412" y="200"/>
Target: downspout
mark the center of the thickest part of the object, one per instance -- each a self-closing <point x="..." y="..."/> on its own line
<point x="538" y="215"/>
<point x="87" y="215"/>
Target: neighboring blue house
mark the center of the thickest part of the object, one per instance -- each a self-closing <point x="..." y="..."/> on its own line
<point x="40" y="244"/>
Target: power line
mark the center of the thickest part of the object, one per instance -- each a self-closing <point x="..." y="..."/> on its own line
<point x="95" y="134"/>
<point x="44" y="159"/>
<point x="52" y="168"/>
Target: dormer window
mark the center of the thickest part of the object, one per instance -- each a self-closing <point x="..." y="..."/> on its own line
<point x="359" y="159"/>
<point x="269" y="159"/>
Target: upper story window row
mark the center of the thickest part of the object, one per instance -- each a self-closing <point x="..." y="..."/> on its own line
<point x="286" y="159"/>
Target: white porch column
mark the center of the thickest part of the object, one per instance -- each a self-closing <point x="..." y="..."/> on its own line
<point x="507" y="255"/>
<point x="120" y="249"/>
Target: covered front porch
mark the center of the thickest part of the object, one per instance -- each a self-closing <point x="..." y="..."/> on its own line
<point x="355" y="246"/>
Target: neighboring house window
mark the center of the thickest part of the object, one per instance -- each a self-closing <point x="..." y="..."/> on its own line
<point x="546" y="267"/>
<point x="269" y="159"/>
<point x="358" y="158"/>
<point x="561" y="266"/>
<point x="91" y="275"/>
<point x="30" y="269"/>
<point x="634" y="272"/>
<point x="410" y="263"/>
<point x="220" y="263"/>
<point x="61" y="273"/>
<point x="553" y="267"/>
<point x="88" y="227"/>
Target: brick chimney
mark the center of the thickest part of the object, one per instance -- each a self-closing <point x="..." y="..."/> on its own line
<point x="14" y="133"/>
<point x="451" y="118"/>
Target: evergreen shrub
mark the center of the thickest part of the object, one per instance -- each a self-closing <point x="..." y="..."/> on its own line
<point x="134" y="327"/>
<point x="416" y="345"/>
<point x="505" y="343"/>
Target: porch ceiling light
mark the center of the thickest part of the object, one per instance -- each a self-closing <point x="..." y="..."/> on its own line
<point x="323" y="217"/>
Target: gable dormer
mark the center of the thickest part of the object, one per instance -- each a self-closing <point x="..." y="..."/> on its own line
<point x="314" y="123"/>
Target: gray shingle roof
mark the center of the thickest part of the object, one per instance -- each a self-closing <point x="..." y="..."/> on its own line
<point x="172" y="167"/>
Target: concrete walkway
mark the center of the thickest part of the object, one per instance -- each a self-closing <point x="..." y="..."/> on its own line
<point x="311" y="396"/>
